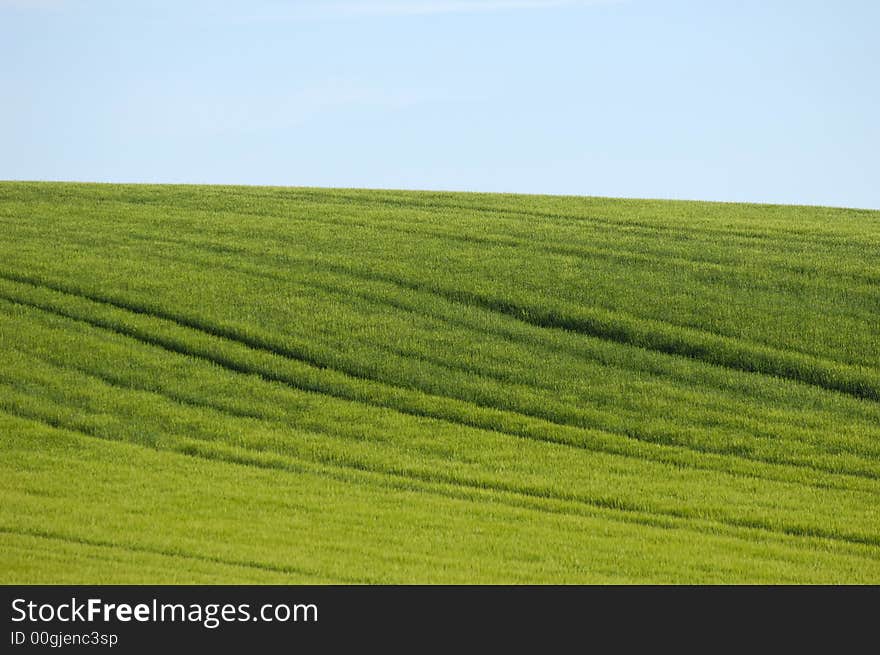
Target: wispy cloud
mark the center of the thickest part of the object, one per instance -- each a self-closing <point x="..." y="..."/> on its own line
<point x="422" y="7"/>
<point x="330" y="9"/>
<point x="31" y="4"/>
<point x="206" y="112"/>
<point x="367" y="8"/>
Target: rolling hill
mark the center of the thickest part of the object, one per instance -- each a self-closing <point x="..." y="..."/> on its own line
<point x="290" y="385"/>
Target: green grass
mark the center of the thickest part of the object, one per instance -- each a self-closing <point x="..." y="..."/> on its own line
<point x="233" y="384"/>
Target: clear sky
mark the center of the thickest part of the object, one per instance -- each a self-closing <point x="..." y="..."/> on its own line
<point x="746" y="100"/>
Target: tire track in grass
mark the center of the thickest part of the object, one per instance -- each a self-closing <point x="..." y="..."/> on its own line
<point x="655" y="335"/>
<point x="583" y="252"/>
<point x="326" y="198"/>
<point x="530" y="498"/>
<point x="565" y="415"/>
<point x="836" y="482"/>
<point x="669" y="339"/>
<point x="286" y="423"/>
<point x="511" y="422"/>
<point x="126" y="566"/>
<point x="174" y="554"/>
<point x="627" y="223"/>
<point x="283" y="423"/>
<point x="722" y="350"/>
<point x="179" y="399"/>
<point x="402" y="306"/>
<point x="633" y="512"/>
<point x="493" y="240"/>
<point x="682" y="382"/>
<point x="174" y="345"/>
<point x="336" y="469"/>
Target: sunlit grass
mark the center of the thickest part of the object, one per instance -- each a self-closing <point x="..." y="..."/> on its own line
<point x="263" y="384"/>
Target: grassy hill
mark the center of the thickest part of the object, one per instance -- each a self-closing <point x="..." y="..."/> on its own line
<point x="233" y="384"/>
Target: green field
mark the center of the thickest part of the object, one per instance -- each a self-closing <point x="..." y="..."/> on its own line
<point x="271" y="385"/>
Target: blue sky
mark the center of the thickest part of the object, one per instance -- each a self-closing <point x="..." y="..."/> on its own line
<point x="764" y="101"/>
